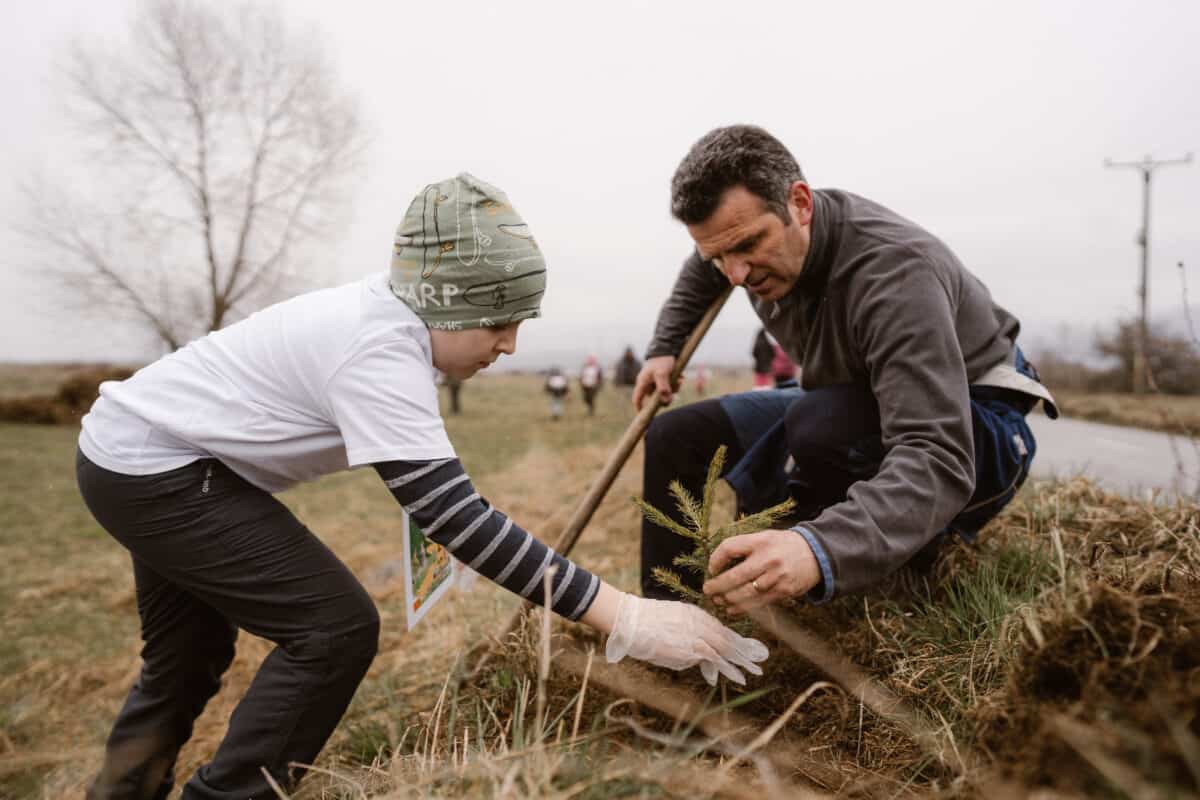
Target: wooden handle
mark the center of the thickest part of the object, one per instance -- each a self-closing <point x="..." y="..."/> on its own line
<point x="620" y="454"/>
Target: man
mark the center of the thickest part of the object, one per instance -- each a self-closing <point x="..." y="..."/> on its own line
<point x="910" y="421"/>
<point x="627" y="369"/>
<point x="763" y="354"/>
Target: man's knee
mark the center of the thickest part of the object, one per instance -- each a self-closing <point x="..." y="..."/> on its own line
<point x="838" y="423"/>
<point x="808" y="429"/>
<point x="680" y="434"/>
<point x="665" y="431"/>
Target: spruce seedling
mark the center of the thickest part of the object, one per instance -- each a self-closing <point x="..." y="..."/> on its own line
<point x="698" y="529"/>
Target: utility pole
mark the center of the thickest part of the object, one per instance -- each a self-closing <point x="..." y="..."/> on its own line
<point x="1147" y="166"/>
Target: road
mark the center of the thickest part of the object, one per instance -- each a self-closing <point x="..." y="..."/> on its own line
<point x="1128" y="460"/>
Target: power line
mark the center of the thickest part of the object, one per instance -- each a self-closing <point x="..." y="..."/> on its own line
<point x="1147" y="166"/>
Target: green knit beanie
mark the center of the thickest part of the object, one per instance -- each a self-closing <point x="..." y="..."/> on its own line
<point x="464" y="258"/>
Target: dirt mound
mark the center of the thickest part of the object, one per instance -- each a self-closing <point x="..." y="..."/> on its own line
<point x="74" y="397"/>
<point x="1060" y="652"/>
<point x="1110" y="695"/>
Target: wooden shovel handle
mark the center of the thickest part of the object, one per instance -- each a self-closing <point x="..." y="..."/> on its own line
<point x="620" y="454"/>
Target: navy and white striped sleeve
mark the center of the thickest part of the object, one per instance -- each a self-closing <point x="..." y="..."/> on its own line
<point x="439" y="497"/>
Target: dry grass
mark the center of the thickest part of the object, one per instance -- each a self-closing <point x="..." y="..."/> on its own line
<point x="1156" y="412"/>
<point x="63" y="403"/>
<point x="18" y="380"/>
<point x="1063" y="651"/>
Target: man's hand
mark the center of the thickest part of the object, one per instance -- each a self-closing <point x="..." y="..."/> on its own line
<point x="655" y="377"/>
<point x="775" y="564"/>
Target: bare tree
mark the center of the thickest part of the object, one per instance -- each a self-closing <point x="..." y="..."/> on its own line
<point x="215" y="144"/>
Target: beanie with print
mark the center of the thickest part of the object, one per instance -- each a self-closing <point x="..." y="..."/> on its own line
<point x="464" y="258"/>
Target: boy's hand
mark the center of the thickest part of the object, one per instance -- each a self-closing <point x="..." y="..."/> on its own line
<point x="655" y="377"/>
<point x="680" y="635"/>
<point x="774" y="565"/>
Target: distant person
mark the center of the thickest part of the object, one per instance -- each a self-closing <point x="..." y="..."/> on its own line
<point x="701" y="381"/>
<point x="783" y="371"/>
<point x="763" y="354"/>
<point x="557" y="387"/>
<point x="180" y="463"/>
<point x="627" y="369"/>
<point x="590" y="379"/>
<point x="454" y="389"/>
<point x="910" y="425"/>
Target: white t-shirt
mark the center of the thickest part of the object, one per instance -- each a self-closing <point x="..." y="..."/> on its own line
<point x="328" y="380"/>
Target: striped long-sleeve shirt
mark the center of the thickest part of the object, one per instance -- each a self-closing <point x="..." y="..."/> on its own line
<point x="439" y="497"/>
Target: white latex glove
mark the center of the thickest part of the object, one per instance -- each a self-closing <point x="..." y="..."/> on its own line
<point x="678" y="636"/>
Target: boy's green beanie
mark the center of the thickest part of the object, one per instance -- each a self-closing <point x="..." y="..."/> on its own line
<point x="464" y="258"/>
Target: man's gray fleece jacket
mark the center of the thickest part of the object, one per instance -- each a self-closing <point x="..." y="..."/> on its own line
<point x="882" y="303"/>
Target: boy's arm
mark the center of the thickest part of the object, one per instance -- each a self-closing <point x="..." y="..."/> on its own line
<point x="438" y="495"/>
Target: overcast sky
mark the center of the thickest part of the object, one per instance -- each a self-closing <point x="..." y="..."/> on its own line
<point x="986" y="123"/>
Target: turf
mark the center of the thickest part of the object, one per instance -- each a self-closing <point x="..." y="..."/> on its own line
<point x="1060" y="652"/>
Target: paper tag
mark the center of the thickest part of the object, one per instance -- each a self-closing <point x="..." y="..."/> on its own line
<point x="428" y="572"/>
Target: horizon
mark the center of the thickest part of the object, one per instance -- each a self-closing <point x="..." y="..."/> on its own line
<point x="987" y="127"/>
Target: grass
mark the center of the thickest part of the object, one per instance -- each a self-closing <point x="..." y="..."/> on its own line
<point x="68" y="625"/>
<point x="981" y="597"/>
<point x="1156" y="412"/>
<point x="17" y="380"/>
<point x="1040" y="653"/>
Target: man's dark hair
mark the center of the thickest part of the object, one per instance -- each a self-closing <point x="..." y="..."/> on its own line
<point x="738" y="155"/>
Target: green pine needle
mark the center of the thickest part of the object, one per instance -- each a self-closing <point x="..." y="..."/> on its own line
<point x="753" y="523"/>
<point x="675" y="583"/>
<point x="710" y="487"/>
<point x="659" y="518"/>
<point x="698" y="518"/>
<point x="693" y="562"/>
<point x="687" y="506"/>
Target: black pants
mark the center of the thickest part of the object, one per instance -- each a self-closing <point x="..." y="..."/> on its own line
<point x="212" y="554"/>
<point x="589" y="399"/>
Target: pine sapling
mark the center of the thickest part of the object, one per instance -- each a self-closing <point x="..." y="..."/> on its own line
<point x="697" y="528"/>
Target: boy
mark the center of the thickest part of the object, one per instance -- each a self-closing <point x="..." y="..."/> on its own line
<point x="179" y="464"/>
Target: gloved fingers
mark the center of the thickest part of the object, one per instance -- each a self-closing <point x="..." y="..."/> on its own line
<point x="738" y="650"/>
<point x="751" y="649"/>
<point x="709" y="656"/>
<point x="719" y="636"/>
<point x="727" y="645"/>
<point x="739" y="660"/>
<point x="731" y="672"/>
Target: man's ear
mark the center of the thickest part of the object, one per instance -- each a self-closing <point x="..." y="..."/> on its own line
<point x="800" y="198"/>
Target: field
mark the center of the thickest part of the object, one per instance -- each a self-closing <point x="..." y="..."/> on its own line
<point x="27" y="379"/>
<point x="1157" y="412"/>
<point x="1060" y="654"/>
